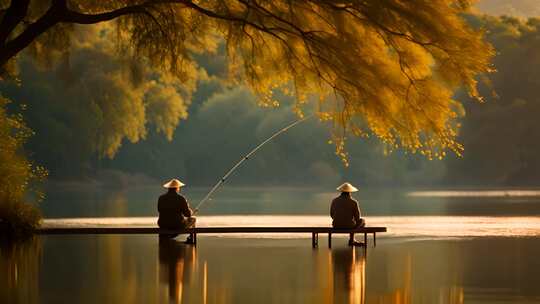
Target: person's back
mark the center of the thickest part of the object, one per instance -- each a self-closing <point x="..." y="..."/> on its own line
<point x="344" y="212"/>
<point x="172" y="208"/>
<point x="174" y="211"/>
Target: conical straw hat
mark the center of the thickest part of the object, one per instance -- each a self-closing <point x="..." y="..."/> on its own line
<point x="174" y="183"/>
<point x="346" y="187"/>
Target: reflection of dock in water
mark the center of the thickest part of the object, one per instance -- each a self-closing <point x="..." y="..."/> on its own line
<point x="119" y="269"/>
<point x="177" y="266"/>
<point x="348" y="268"/>
<point x="337" y="276"/>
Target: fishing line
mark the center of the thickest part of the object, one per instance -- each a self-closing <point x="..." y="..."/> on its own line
<point x="246" y="157"/>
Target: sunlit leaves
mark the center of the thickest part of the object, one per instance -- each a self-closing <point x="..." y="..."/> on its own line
<point x="388" y="68"/>
<point x="16" y="172"/>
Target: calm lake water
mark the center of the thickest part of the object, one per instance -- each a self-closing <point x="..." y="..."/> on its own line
<point x="442" y="247"/>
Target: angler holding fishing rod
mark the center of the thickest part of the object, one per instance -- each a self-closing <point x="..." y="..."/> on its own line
<point x="175" y="213"/>
<point x="174" y="210"/>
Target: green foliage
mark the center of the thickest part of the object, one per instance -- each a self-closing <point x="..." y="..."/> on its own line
<point x="20" y="267"/>
<point x="98" y="100"/>
<point x="501" y="136"/>
<point x="228" y="124"/>
<point x="16" y="175"/>
<point x="224" y="123"/>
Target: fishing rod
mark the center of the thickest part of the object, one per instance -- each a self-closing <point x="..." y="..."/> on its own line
<point x="246" y="157"/>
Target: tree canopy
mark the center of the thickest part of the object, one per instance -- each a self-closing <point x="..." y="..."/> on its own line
<point x="383" y="67"/>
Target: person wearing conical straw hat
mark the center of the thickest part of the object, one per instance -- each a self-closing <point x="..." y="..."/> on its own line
<point x="174" y="210"/>
<point x="345" y="212"/>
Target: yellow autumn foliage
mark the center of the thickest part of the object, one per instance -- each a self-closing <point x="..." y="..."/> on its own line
<point x="387" y="68"/>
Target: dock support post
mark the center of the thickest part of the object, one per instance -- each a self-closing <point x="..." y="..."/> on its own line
<point x="314" y="239"/>
<point x="330" y="240"/>
<point x="374" y="239"/>
<point x="365" y="239"/>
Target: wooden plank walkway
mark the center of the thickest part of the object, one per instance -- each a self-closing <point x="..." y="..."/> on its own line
<point x="218" y="230"/>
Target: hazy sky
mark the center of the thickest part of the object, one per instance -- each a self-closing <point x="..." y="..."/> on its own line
<point x="521" y="8"/>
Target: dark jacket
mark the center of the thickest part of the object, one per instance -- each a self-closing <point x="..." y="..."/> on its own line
<point x="344" y="212"/>
<point x="172" y="208"/>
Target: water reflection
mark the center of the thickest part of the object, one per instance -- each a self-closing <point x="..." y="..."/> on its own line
<point x="186" y="276"/>
<point x="177" y="263"/>
<point x="349" y="273"/>
<point x="140" y="269"/>
<point x="19" y="269"/>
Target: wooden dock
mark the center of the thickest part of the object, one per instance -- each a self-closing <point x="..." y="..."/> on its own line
<point x="314" y="231"/>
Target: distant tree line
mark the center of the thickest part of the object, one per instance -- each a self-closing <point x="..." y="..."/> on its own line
<point x="502" y="135"/>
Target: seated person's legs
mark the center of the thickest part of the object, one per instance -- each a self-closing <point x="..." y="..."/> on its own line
<point x="352" y="241"/>
<point x="165" y="225"/>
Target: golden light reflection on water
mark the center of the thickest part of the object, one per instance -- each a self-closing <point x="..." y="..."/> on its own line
<point x="141" y="269"/>
<point x="177" y="266"/>
<point x="398" y="226"/>
<point x="19" y="269"/>
<point x="348" y="268"/>
<point x="340" y="280"/>
<point x="475" y="193"/>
